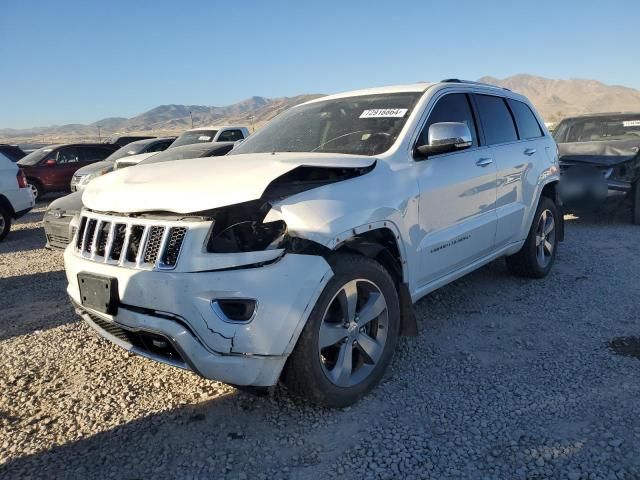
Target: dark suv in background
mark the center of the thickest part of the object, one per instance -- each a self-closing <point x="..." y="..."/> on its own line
<point x="12" y="152"/>
<point x="51" y="168"/>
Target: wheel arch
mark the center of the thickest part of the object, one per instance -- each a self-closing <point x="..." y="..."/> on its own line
<point x="380" y="241"/>
<point x="6" y="204"/>
<point x="550" y="190"/>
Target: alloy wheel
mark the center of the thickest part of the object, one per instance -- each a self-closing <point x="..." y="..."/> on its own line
<point x="3" y="224"/>
<point x="34" y="190"/>
<point x="353" y="333"/>
<point x="545" y="238"/>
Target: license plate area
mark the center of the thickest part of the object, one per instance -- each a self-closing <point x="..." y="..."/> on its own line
<point x="99" y="293"/>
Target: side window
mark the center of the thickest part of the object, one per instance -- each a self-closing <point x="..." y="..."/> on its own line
<point x="454" y="107"/>
<point x="496" y="119"/>
<point x="66" y="155"/>
<point x="230" y="136"/>
<point x="528" y="126"/>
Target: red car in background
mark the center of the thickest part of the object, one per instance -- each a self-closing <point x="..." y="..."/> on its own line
<point x="49" y="169"/>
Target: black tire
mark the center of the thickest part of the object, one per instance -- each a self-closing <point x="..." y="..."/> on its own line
<point x="37" y="187"/>
<point x="306" y="373"/>
<point x="635" y="203"/>
<point x="5" y="222"/>
<point x="526" y="262"/>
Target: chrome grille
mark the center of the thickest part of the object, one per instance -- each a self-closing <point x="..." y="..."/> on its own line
<point x="176" y="237"/>
<point x="130" y="242"/>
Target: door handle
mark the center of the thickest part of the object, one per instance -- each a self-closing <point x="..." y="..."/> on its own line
<point x="483" y="162"/>
<point x="530" y="151"/>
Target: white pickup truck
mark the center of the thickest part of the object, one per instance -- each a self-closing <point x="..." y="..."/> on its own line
<point x="298" y="256"/>
<point x="16" y="198"/>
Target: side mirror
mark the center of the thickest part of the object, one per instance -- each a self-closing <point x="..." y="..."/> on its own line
<point x="49" y="162"/>
<point x="445" y="137"/>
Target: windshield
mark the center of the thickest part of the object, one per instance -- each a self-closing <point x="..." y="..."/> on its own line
<point x="194" y="136"/>
<point x="35" y="157"/>
<point x="598" y="129"/>
<point x="363" y="125"/>
<point x="128" y="150"/>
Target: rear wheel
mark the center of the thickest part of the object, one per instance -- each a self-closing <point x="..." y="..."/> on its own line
<point x="36" y="189"/>
<point x="536" y="257"/>
<point x="5" y="222"/>
<point x="635" y="203"/>
<point x="350" y="336"/>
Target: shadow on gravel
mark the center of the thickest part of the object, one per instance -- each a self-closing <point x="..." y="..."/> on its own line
<point x="615" y="211"/>
<point x="191" y="441"/>
<point x="33" y="302"/>
<point x="23" y="240"/>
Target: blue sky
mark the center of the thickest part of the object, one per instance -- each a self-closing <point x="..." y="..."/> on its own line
<point x="72" y="61"/>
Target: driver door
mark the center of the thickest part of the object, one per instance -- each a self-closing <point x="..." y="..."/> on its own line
<point x="457" y="197"/>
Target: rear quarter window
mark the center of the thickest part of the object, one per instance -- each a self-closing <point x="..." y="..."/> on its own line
<point x="526" y="122"/>
<point x="496" y="120"/>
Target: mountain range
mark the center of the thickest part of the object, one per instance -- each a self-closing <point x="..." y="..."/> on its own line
<point x="554" y="99"/>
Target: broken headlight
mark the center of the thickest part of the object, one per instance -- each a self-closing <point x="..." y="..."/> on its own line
<point x="247" y="236"/>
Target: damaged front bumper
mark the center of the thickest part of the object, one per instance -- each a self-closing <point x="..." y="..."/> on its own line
<point x="586" y="183"/>
<point x="171" y="317"/>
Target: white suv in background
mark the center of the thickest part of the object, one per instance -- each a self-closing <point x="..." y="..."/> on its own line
<point x="214" y="133"/>
<point x="16" y="198"/>
<point x="298" y="256"/>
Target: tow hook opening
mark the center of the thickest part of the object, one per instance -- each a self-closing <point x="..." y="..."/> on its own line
<point x="235" y="310"/>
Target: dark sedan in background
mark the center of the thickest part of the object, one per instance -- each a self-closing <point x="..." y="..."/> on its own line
<point x="599" y="158"/>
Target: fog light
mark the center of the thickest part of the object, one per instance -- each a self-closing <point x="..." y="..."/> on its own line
<point x="240" y="310"/>
<point x="160" y="343"/>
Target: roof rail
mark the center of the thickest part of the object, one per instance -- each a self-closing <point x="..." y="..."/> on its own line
<point x="470" y="82"/>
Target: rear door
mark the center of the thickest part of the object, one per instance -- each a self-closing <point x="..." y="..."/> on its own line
<point x="514" y="157"/>
<point x="457" y="197"/>
<point x="534" y="151"/>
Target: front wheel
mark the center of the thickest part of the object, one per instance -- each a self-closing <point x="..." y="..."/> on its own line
<point x="350" y="336"/>
<point x="536" y="257"/>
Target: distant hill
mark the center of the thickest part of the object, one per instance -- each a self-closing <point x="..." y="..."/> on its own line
<point x="554" y="99"/>
<point x="161" y="120"/>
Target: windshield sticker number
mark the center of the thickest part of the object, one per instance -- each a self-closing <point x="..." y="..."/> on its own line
<point x="204" y="138"/>
<point x="384" y="113"/>
<point x="631" y="123"/>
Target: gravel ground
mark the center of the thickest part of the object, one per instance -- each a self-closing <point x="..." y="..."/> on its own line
<point x="508" y="379"/>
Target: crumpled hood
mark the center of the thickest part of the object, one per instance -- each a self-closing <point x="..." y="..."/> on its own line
<point x="187" y="186"/>
<point x="599" y="153"/>
<point x="94" y="167"/>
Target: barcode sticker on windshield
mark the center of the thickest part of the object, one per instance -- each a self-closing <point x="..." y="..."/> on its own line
<point x="204" y="138"/>
<point x="384" y="113"/>
<point x="631" y="123"/>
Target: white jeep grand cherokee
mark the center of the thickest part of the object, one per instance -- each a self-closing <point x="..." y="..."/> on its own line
<point x="298" y="256"/>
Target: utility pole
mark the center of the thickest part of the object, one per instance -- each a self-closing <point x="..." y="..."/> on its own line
<point x="99" y="137"/>
<point x="251" y="117"/>
<point x="191" y="119"/>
